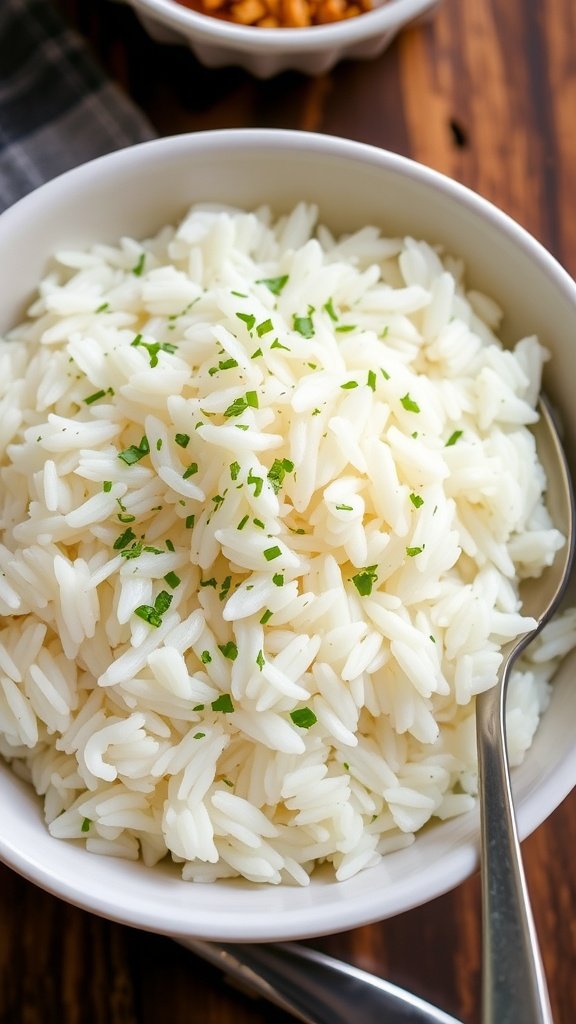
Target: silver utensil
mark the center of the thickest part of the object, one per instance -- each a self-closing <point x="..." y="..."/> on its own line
<point x="514" y="987"/>
<point x="315" y="988"/>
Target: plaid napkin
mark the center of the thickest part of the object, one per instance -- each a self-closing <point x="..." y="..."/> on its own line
<point x="57" y="108"/>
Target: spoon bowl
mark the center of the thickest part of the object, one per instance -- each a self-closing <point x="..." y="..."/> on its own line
<point x="514" y="986"/>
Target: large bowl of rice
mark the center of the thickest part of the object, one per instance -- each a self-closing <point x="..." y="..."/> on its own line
<point x="267" y="494"/>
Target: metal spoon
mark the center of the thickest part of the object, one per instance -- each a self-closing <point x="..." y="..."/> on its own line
<point x="315" y="988"/>
<point x="513" y="983"/>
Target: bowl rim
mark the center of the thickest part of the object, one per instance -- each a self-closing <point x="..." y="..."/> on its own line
<point x="461" y="858"/>
<point x="389" y="17"/>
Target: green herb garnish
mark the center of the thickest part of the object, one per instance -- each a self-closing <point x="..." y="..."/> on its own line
<point x="124" y="539"/>
<point x="229" y="650"/>
<point x="304" y="325"/>
<point x="303" y="717"/>
<point x="416" y="500"/>
<point x="409" y="404"/>
<point x="95" y="397"/>
<point x="223" y="703"/>
<point x="257" y="481"/>
<point x="411" y="552"/>
<point x="264" y="328"/>
<point x="278" y="471"/>
<point x="274" y="284"/>
<point x="135" y="452"/>
<point x="271" y="553"/>
<point x="153" y="615"/>
<point x="365" y="580"/>
<point x="248" y="319"/>
<point x="138" y="268"/>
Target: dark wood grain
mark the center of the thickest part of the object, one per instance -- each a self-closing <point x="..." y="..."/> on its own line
<point x="485" y="92"/>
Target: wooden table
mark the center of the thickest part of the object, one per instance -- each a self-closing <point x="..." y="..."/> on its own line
<point x="486" y="92"/>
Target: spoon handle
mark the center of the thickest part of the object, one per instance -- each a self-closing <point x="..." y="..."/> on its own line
<point x="513" y="983"/>
<point x="316" y="988"/>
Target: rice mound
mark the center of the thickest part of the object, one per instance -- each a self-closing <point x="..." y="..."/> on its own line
<point x="266" y="498"/>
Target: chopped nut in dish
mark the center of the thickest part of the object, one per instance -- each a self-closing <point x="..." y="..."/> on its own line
<point x="280" y="13"/>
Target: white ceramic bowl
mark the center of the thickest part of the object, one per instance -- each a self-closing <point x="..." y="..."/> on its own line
<point x="135" y="192"/>
<point x="266" y="52"/>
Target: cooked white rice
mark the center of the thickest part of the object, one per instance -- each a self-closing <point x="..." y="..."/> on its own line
<point x="266" y="497"/>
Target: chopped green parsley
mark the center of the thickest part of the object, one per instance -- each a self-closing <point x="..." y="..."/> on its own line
<point x="223" y="703"/>
<point x="135" y="452"/>
<point x="409" y="404"/>
<point x="239" y="405"/>
<point x="274" y="284"/>
<point x="248" y="319"/>
<point x="364" y="580"/>
<point x="138" y="267"/>
<point x="303" y="717"/>
<point x="124" y="539"/>
<point x="271" y="553"/>
<point x="264" y="328"/>
<point x="257" y="481"/>
<point x="278" y="471"/>
<point x="229" y="650"/>
<point x="416" y="500"/>
<point x="153" y="615"/>
<point x="304" y="325"/>
<point x="411" y="552"/>
<point x="95" y="397"/>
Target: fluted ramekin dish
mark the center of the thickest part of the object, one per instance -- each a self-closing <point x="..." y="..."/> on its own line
<point x="268" y="51"/>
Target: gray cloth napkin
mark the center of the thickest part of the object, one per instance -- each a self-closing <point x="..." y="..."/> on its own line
<point x="57" y="108"/>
